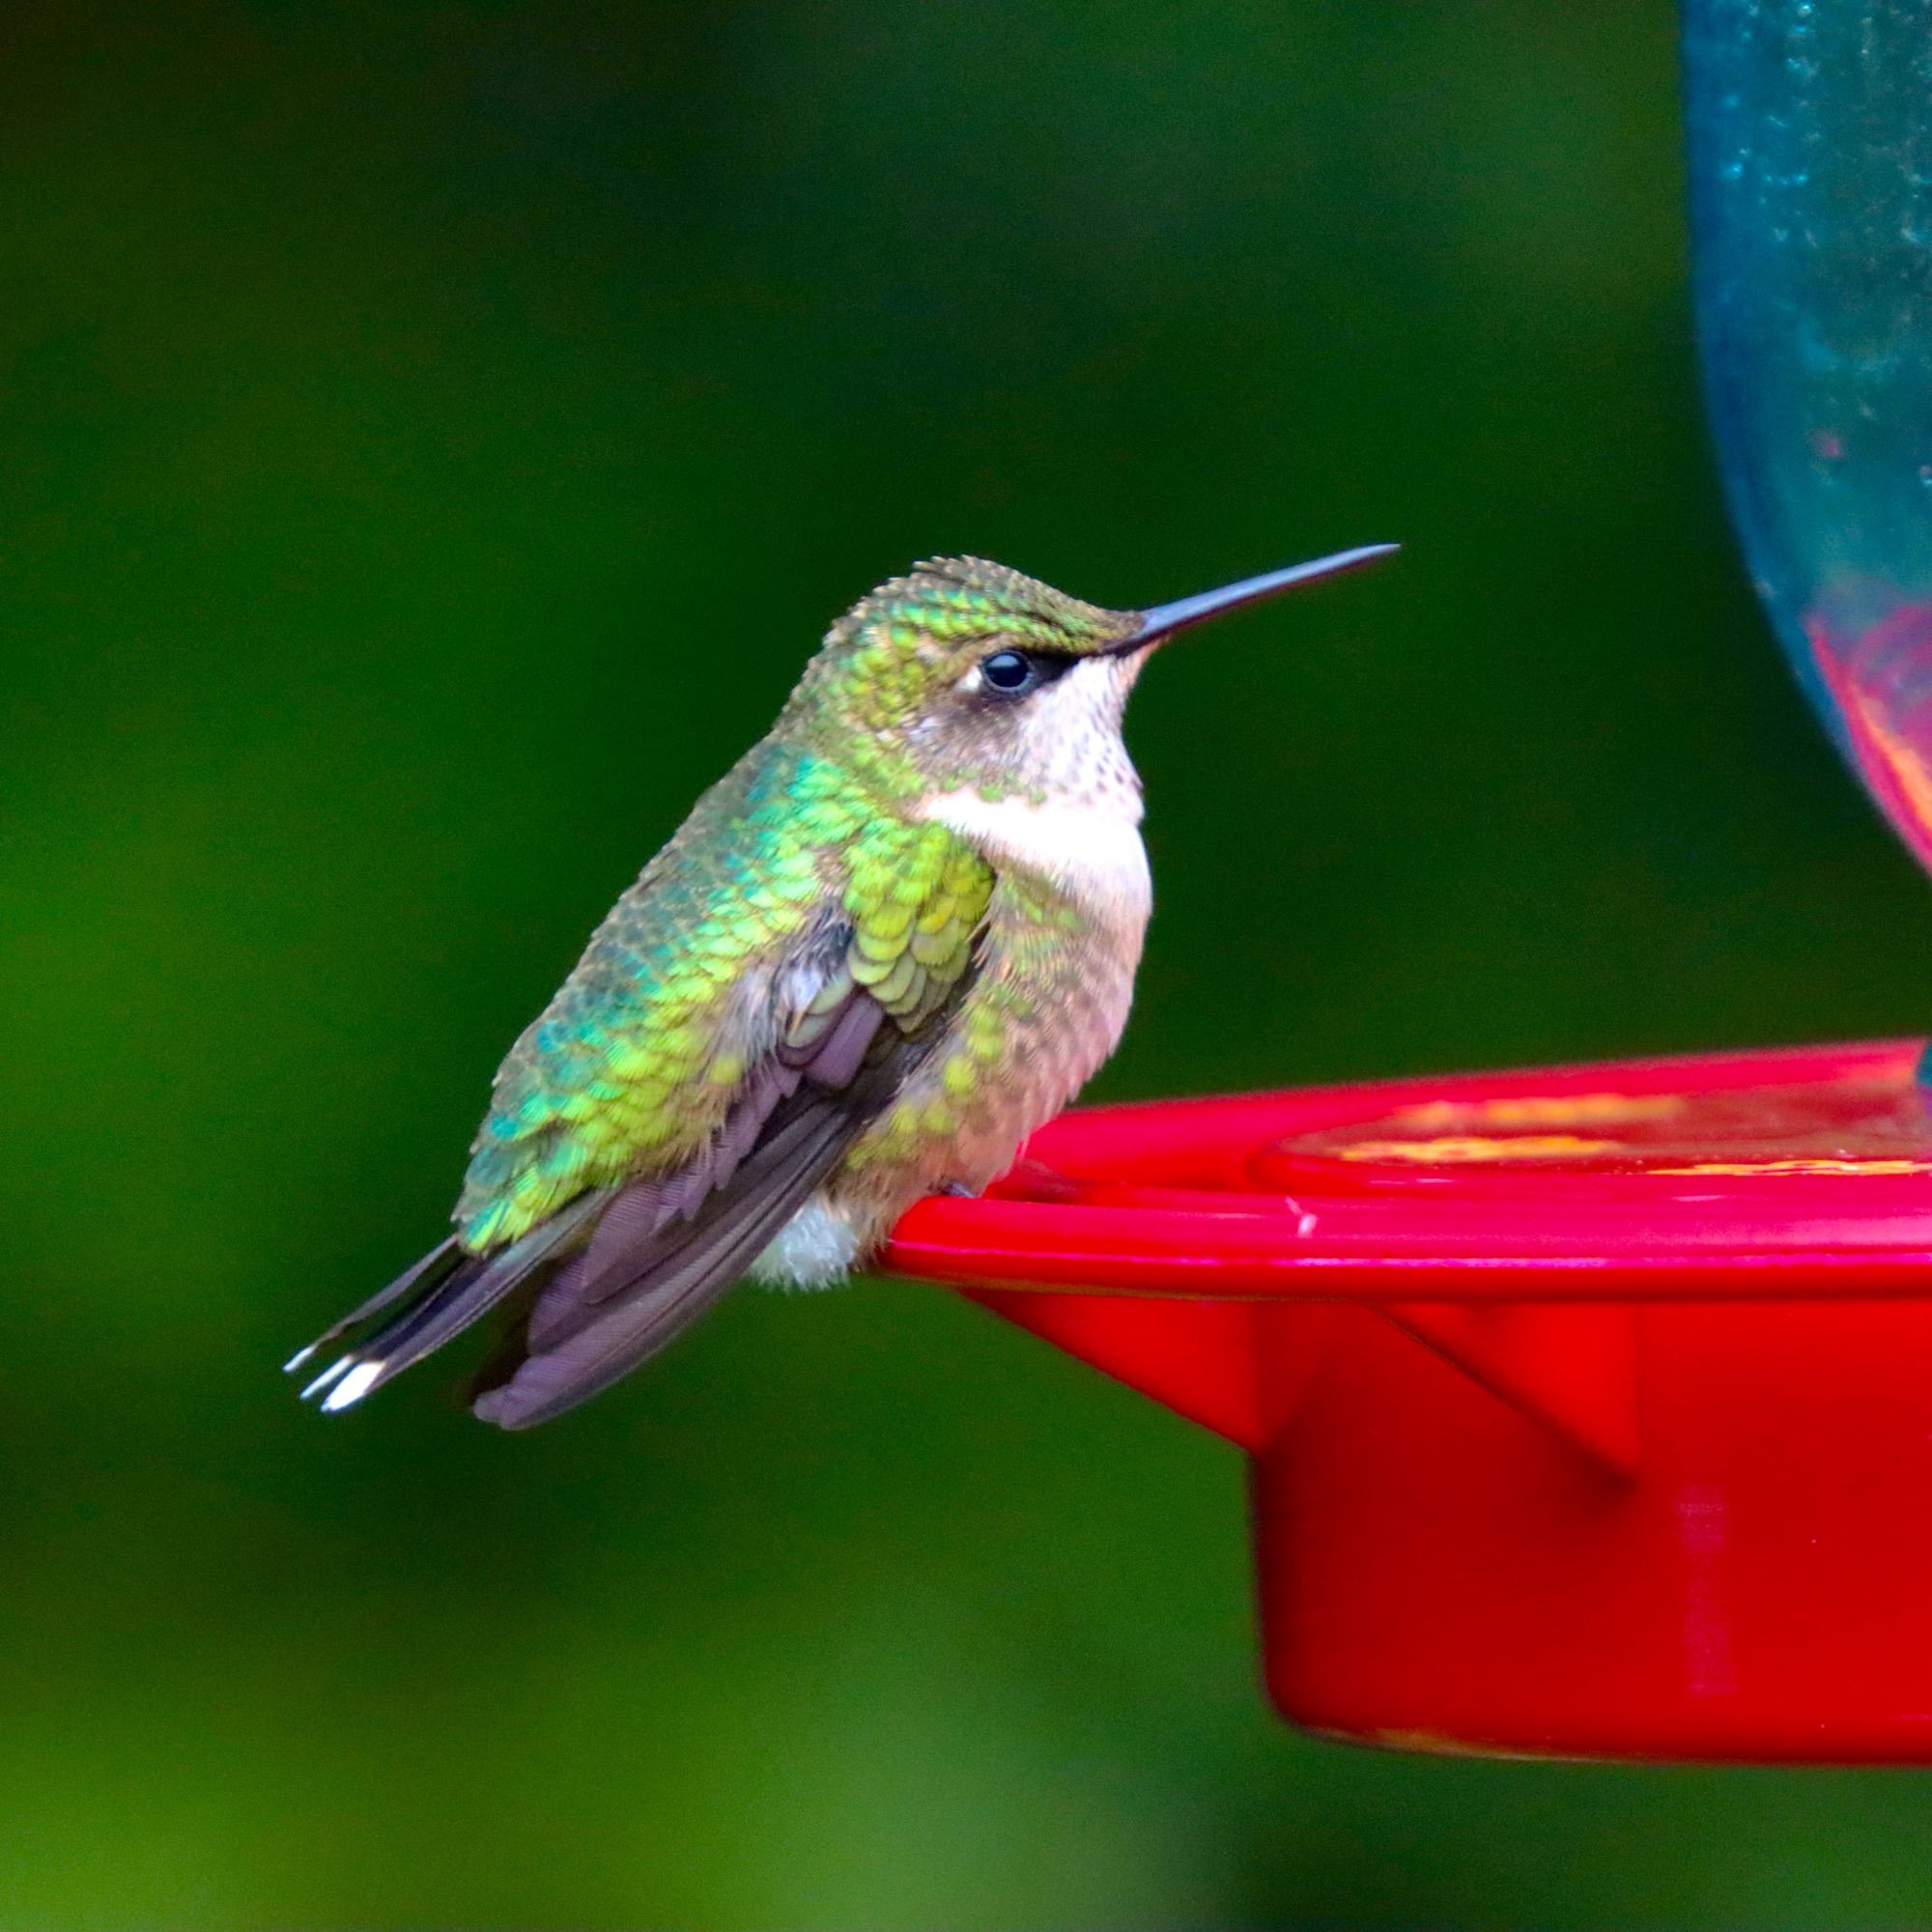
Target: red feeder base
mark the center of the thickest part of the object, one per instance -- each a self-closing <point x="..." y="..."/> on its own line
<point x="1590" y="1412"/>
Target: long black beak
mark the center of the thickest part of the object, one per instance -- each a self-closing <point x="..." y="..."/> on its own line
<point x="1164" y="619"/>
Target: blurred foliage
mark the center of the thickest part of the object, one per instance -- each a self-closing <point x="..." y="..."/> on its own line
<point x="434" y="437"/>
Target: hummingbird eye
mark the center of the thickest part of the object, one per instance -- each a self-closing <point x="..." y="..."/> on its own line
<point x="1008" y="675"/>
<point x="1012" y="674"/>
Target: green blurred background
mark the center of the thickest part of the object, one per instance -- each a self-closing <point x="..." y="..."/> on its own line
<point x="432" y="438"/>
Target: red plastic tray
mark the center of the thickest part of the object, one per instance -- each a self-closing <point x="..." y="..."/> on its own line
<point x="1590" y="1411"/>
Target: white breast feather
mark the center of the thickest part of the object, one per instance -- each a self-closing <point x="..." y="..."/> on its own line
<point x="1091" y="850"/>
<point x="1082" y="835"/>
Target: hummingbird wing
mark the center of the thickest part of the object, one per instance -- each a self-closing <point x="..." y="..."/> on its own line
<point x="749" y="1006"/>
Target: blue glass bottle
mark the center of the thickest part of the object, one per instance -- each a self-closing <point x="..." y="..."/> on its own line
<point x="1810" y="143"/>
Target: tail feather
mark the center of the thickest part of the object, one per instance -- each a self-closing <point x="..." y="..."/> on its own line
<point x="443" y="1295"/>
<point x="613" y="1276"/>
<point x="432" y="1269"/>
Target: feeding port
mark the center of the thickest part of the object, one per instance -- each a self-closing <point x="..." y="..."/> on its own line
<point x="1589" y="1412"/>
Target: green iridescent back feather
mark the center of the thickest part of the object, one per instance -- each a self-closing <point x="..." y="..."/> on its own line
<point x="634" y="1064"/>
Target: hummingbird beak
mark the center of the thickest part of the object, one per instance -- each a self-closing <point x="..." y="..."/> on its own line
<point x="1164" y="619"/>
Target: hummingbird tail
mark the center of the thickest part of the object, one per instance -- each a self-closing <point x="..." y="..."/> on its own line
<point x="616" y="1274"/>
<point x="439" y="1297"/>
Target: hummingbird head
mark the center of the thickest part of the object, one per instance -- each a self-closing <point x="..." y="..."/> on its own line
<point x="966" y="676"/>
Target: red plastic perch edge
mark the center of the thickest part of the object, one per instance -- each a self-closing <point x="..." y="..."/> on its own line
<point x="1589" y="1410"/>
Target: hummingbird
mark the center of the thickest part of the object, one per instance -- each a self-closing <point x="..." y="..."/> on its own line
<point x="894" y="939"/>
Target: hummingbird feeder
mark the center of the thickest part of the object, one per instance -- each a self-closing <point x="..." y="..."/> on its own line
<point x="1589" y="1411"/>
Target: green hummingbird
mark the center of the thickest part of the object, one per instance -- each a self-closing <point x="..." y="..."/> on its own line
<point x="894" y="939"/>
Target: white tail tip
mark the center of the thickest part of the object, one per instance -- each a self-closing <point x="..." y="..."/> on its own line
<point x="353" y="1386"/>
